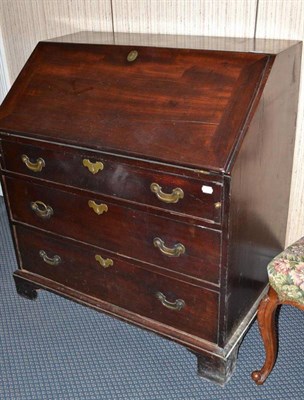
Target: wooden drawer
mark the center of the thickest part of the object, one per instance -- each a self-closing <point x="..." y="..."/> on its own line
<point x="117" y="178"/>
<point x="121" y="284"/>
<point x="120" y="229"/>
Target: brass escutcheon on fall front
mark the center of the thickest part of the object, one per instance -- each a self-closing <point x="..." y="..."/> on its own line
<point x="132" y="55"/>
<point x="33" y="166"/>
<point x="93" y="167"/>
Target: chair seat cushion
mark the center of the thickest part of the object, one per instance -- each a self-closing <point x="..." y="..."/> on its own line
<point x="286" y="273"/>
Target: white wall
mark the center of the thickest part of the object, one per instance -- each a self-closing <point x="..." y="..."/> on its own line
<point x="4" y="78"/>
<point x="24" y="22"/>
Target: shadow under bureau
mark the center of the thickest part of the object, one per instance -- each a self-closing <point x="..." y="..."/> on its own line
<point x="148" y="176"/>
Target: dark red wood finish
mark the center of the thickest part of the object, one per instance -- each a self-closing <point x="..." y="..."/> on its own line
<point x="118" y="178"/>
<point x="122" y="284"/>
<point x="267" y="325"/>
<point x="181" y="117"/>
<point x="121" y="229"/>
<point x="260" y="189"/>
<point x="214" y="43"/>
<point x="143" y="108"/>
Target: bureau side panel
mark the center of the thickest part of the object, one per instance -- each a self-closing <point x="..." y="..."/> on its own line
<point x="260" y="187"/>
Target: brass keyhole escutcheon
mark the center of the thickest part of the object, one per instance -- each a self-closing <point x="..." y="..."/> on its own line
<point x="98" y="208"/>
<point x="132" y="55"/>
<point x="104" y="262"/>
<point x="93" y="167"/>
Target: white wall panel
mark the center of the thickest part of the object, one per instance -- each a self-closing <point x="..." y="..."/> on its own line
<point x="25" y="22"/>
<point x="4" y="80"/>
<point x="284" y="19"/>
<point x="194" y="17"/>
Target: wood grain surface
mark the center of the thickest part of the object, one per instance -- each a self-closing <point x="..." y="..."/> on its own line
<point x="122" y="284"/>
<point x="23" y="23"/>
<point x="120" y="229"/>
<point x="118" y="178"/>
<point x="111" y="95"/>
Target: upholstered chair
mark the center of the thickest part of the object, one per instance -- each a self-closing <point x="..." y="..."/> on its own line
<point x="286" y="280"/>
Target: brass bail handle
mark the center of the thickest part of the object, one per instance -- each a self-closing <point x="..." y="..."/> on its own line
<point x="56" y="260"/>
<point x="41" y="209"/>
<point x="33" y="166"/>
<point x="175" y="251"/>
<point x="172" y="197"/>
<point x="177" y="305"/>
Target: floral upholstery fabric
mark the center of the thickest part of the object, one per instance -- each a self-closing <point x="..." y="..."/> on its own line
<point x="286" y="273"/>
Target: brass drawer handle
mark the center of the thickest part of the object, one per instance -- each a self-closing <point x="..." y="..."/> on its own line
<point x="175" y="251"/>
<point x="93" y="167"/>
<point x="41" y="209"/>
<point x="132" y="55"/>
<point x="172" y="197"/>
<point x="56" y="260"/>
<point x="98" y="208"/>
<point x="104" y="262"/>
<point x="36" y="166"/>
<point x="176" y="306"/>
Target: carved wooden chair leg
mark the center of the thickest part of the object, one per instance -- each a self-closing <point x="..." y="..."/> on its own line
<point x="266" y="320"/>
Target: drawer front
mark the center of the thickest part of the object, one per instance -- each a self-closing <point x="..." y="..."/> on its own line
<point x="103" y="175"/>
<point x="121" y="283"/>
<point x="188" y="249"/>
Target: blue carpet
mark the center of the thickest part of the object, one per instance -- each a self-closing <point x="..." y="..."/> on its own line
<point x="53" y="348"/>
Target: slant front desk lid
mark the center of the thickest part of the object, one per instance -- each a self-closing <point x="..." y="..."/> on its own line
<point x="182" y="106"/>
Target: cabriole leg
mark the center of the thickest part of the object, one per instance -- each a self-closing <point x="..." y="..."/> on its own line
<point x="266" y="320"/>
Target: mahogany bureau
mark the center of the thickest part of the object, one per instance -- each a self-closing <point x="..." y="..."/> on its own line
<point x="148" y="176"/>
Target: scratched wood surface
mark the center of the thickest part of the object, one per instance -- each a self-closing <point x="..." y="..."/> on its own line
<point x="24" y="22"/>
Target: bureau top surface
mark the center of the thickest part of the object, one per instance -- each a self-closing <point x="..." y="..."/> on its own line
<point x="180" y="106"/>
